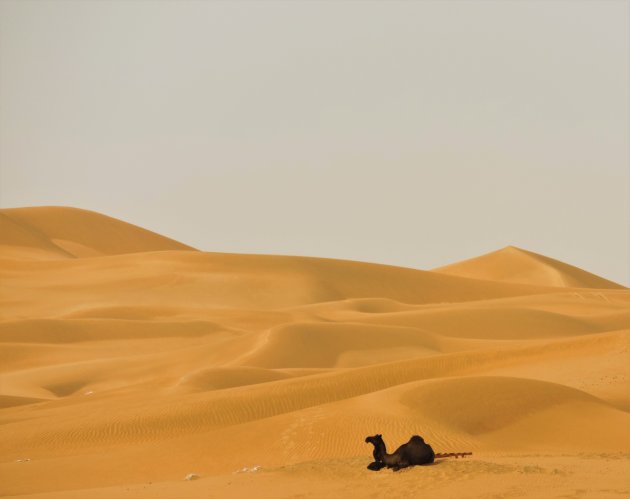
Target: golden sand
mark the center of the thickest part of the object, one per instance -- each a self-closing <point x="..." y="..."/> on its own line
<point x="129" y="361"/>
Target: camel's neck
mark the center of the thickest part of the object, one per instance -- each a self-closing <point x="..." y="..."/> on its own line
<point x="382" y="451"/>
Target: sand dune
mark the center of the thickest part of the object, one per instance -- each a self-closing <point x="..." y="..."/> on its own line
<point x="513" y="264"/>
<point x="219" y="378"/>
<point x="61" y="232"/>
<point x="316" y="344"/>
<point x="128" y="358"/>
<point x="203" y="280"/>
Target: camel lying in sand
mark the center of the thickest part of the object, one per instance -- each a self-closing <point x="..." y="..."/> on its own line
<point x="414" y="452"/>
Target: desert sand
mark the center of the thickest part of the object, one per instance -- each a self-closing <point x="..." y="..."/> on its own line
<point x="129" y="361"/>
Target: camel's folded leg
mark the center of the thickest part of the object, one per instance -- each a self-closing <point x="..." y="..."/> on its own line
<point x="400" y="466"/>
<point x="375" y="466"/>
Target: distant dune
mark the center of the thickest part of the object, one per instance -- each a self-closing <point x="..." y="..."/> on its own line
<point x="513" y="264"/>
<point x="129" y="360"/>
<point x="54" y="232"/>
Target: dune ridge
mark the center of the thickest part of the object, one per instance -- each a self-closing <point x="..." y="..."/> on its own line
<point x="132" y="358"/>
<point x="512" y="264"/>
<point x="51" y="232"/>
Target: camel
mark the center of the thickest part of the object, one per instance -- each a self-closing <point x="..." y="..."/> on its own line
<point x="414" y="452"/>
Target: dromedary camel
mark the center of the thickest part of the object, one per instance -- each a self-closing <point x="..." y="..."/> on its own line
<point x="414" y="452"/>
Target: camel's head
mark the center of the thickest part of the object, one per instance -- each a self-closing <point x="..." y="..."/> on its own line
<point x="374" y="440"/>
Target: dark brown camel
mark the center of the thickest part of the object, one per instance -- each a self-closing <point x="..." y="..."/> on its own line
<point x="414" y="452"/>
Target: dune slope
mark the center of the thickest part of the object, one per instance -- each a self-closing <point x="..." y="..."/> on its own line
<point x="512" y="264"/>
<point x="60" y="232"/>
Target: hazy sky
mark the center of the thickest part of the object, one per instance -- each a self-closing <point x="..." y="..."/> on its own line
<point x="409" y="133"/>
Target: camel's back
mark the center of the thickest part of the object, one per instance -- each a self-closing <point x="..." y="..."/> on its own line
<point x="418" y="451"/>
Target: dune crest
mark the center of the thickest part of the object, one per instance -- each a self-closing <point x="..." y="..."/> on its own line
<point x="135" y="360"/>
<point x="51" y="232"/>
<point x="512" y="264"/>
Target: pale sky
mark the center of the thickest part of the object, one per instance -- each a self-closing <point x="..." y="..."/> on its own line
<point x="407" y="133"/>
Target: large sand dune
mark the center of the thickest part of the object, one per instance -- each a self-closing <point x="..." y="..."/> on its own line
<point x="128" y="360"/>
<point x="59" y="232"/>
